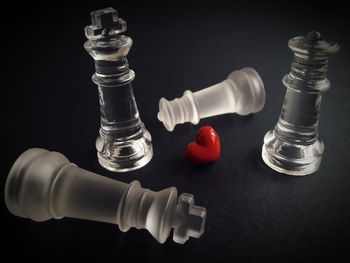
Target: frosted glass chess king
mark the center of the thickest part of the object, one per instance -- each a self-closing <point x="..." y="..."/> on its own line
<point x="42" y="185"/>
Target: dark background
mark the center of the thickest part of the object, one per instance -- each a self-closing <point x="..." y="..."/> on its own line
<point x="254" y="213"/>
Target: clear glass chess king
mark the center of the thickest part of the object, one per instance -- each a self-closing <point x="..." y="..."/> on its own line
<point x="293" y="147"/>
<point x="123" y="143"/>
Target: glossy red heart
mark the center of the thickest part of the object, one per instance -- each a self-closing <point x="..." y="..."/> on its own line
<point x="206" y="148"/>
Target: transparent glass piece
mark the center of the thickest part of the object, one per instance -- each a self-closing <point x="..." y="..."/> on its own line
<point x="293" y="147"/>
<point x="242" y="93"/>
<point x="42" y="185"/>
<point x="123" y="143"/>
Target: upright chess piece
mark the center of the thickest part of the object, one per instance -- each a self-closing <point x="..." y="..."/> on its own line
<point x="293" y="147"/>
<point x="123" y="143"/>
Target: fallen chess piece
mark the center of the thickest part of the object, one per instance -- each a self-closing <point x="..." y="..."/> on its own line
<point x="42" y="185"/>
<point x="242" y="93"/>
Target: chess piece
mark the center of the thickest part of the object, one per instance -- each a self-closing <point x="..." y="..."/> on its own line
<point x="123" y="143"/>
<point x="242" y="93"/>
<point x="293" y="147"/>
<point x="42" y="185"/>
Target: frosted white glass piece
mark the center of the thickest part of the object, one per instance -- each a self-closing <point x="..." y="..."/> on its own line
<point x="242" y="93"/>
<point x="42" y="185"/>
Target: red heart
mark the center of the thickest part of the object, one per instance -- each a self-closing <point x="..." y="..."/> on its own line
<point x="206" y="148"/>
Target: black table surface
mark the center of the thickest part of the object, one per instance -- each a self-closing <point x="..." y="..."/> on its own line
<point x="254" y="213"/>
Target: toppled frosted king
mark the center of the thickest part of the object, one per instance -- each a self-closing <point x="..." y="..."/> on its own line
<point x="42" y="185"/>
